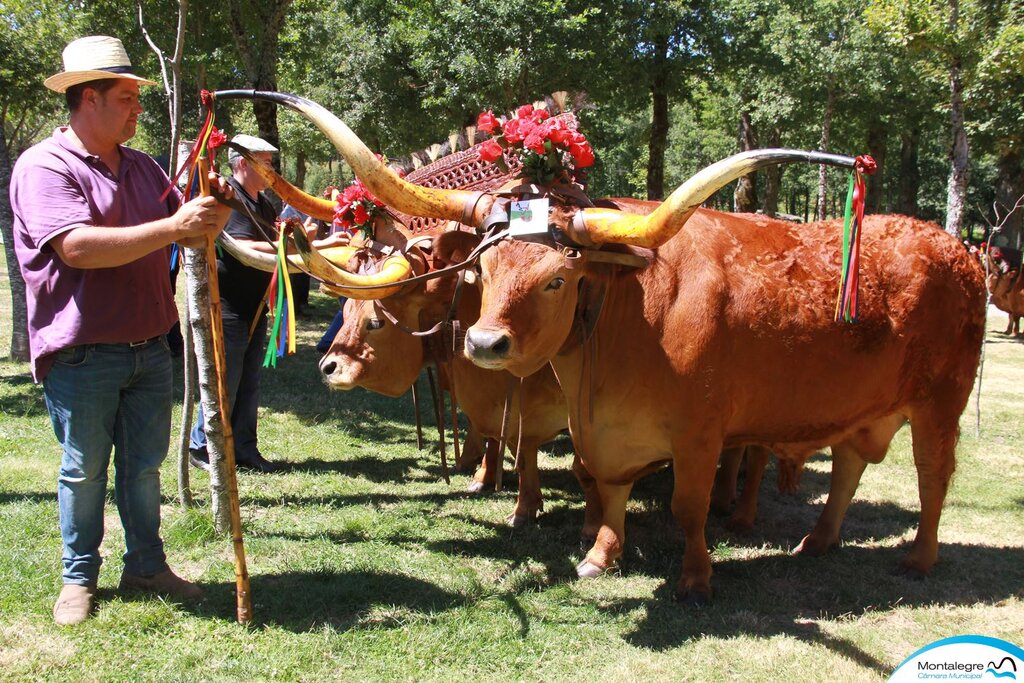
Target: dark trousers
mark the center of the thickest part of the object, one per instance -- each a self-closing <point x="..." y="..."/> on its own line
<point x="300" y="290"/>
<point x="324" y="345"/>
<point x="244" y="357"/>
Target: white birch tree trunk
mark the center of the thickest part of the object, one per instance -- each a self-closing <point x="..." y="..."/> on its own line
<point x="195" y="267"/>
<point x="959" y="171"/>
<point x="826" y="133"/>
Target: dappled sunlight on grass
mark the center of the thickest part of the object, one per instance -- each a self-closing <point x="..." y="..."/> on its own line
<point x="366" y="565"/>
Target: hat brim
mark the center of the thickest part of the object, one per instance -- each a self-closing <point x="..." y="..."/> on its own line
<point x="64" y="80"/>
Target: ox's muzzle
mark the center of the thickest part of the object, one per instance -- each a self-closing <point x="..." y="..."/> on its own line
<point x="335" y="374"/>
<point x="488" y="348"/>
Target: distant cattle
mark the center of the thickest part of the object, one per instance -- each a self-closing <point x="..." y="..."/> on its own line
<point x="1006" y="283"/>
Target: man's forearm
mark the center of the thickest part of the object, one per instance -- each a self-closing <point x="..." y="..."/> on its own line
<point x="91" y="246"/>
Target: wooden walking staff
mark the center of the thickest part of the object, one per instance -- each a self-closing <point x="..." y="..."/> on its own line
<point x="243" y="598"/>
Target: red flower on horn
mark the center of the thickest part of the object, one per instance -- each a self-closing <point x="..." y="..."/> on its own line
<point x="865" y="164"/>
<point x="487" y="122"/>
<point x="217" y="138"/>
<point x="547" y="147"/>
<point x="355" y="208"/>
<point x="490" y="150"/>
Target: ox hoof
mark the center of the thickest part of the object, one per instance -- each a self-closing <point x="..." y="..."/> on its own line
<point x="811" y="547"/>
<point x="692" y="597"/>
<point x="476" y="487"/>
<point x="519" y="521"/>
<point x="587" y="570"/>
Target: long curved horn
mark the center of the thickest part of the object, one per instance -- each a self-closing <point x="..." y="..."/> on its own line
<point x="317" y="207"/>
<point x="323" y="263"/>
<point x="328" y="265"/>
<point x="403" y="196"/>
<point x="592" y="227"/>
<point x="257" y="259"/>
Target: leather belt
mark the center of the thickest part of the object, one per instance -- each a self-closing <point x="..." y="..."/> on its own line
<point x="136" y="344"/>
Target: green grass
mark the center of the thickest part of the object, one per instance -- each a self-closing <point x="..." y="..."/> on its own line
<point x="365" y="565"/>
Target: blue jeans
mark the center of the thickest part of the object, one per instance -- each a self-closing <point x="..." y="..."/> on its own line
<point x="103" y="396"/>
<point x="244" y="358"/>
<point x="324" y="345"/>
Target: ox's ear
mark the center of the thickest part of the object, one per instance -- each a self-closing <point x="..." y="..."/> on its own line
<point x="453" y="246"/>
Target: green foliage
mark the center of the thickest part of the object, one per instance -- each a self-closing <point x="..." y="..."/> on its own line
<point x="32" y="36"/>
<point x="405" y="74"/>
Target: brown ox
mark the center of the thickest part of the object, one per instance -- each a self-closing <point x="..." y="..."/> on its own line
<point x="725" y="337"/>
<point x="371" y="352"/>
<point x="1006" y="283"/>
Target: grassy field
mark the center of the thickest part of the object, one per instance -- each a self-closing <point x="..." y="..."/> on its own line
<point x="365" y="565"/>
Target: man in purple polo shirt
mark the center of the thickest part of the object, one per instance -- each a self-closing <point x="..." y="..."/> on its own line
<point x="93" y="237"/>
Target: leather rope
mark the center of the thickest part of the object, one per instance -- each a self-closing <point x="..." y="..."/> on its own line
<point x="419" y="420"/>
<point x="439" y="418"/>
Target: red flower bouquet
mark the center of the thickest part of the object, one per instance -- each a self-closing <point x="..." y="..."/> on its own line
<point x="356" y="207"/>
<point x="547" y="147"/>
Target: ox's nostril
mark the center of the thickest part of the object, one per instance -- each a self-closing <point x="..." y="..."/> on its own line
<point x="502" y="346"/>
<point x="329" y="368"/>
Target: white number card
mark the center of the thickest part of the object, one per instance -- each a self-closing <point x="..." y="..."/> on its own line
<point x="528" y="217"/>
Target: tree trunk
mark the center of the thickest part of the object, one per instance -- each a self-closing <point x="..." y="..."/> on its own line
<point x="300" y="170"/>
<point x="744" y="198"/>
<point x="877" y="145"/>
<point x="910" y="175"/>
<point x="773" y="178"/>
<point x="188" y="404"/>
<point x="959" y="171"/>
<point x="19" y="306"/>
<point x="195" y="267"/>
<point x="659" y="122"/>
<point x="259" y="54"/>
<point x="826" y="132"/>
<point x="1009" y="189"/>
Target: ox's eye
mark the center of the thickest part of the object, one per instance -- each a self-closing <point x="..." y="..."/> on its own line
<point x="555" y="284"/>
<point x="374" y="324"/>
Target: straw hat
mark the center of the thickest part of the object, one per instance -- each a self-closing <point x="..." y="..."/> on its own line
<point x="91" y="58"/>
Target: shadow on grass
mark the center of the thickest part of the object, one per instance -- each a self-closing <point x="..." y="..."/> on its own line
<point x="387" y="470"/>
<point x="999" y="338"/>
<point x="7" y="497"/>
<point x="775" y="595"/>
<point x="340" y="600"/>
<point x="20" y="397"/>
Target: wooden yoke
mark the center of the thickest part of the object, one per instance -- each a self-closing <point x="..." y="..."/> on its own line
<point x="243" y="597"/>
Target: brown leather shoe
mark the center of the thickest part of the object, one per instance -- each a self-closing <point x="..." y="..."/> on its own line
<point x="164" y="583"/>
<point x="74" y="605"/>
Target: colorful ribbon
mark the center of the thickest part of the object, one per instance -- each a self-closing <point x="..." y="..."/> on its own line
<point x="281" y="303"/>
<point x="853" y="220"/>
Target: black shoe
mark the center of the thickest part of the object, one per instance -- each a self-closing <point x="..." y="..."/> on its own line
<point x="256" y="463"/>
<point x="198" y="457"/>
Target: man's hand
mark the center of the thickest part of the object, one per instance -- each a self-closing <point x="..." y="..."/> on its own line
<point x="204" y="216"/>
<point x="338" y="239"/>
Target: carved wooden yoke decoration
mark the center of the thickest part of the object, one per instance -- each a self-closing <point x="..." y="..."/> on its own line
<point x="464" y="170"/>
